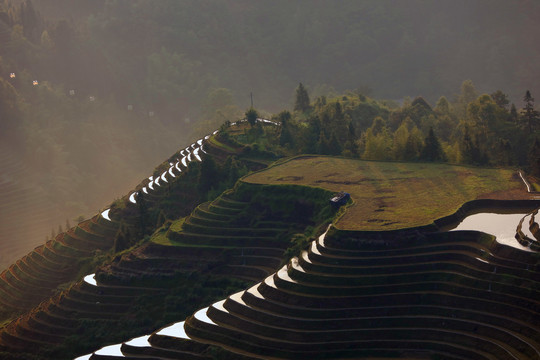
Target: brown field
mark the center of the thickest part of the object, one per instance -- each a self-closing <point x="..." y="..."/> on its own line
<point x="395" y="195"/>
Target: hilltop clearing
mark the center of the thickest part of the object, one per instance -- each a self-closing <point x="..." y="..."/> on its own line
<point x="395" y="195"/>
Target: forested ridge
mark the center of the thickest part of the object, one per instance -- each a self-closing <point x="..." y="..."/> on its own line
<point x="119" y="84"/>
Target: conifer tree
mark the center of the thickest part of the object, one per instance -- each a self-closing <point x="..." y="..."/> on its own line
<point x="251" y="116"/>
<point x="285" y="136"/>
<point x="432" y="150"/>
<point x="301" y="102"/>
<point x="530" y="117"/>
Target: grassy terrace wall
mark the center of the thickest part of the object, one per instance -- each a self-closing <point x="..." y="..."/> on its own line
<point x="245" y="232"/>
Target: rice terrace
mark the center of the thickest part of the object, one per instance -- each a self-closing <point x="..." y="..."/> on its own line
<point x="394" y="195"/>
<point x="269" y="180"/>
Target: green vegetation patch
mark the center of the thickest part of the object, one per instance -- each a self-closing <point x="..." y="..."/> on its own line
<point x="394" y="195"/>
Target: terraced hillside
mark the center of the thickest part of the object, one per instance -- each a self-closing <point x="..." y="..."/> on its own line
<point x="226" y="238"/>
<point x="457" y="295"/>
<point x="130" y="280"/>
<point x="36" y="275"/>
<point x="405" y="293"/>
<point x="21" y="203"/>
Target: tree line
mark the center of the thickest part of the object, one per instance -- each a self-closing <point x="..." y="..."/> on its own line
<point x="472" y="128"/>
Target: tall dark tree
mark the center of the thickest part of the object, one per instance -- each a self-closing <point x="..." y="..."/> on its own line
<point x="285" y="135"/>
<point x="500" y="98"/>
<point x="251" y="116"/>
<point x="301" y="101"/>
<point x="529" y="116"/>
<point x="432" y="150"/>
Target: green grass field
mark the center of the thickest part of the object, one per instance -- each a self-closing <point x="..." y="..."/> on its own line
<point x="395" y="195"/>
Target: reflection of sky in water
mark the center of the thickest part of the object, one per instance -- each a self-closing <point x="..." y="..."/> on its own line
<point x="502" y="226"/>
<point x="140" y="341"/>
<point x="105" y="214"/>
<point x="175" y="330"/>
<point x="112" y="350"/>
<point x="202" y="316"/>
<point x="90" y="279"/>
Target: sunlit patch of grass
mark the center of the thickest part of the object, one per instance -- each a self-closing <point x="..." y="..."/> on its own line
<point x="214" y="141"/>
<point x="160" y="236"/>
<point x="392" y="195"/>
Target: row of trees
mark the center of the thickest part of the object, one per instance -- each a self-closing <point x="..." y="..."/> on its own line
<point x="474" y="128"/>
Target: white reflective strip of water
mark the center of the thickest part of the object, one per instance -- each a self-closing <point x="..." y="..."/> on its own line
<point x="184" y="161"/>
<point x="202" y="316"/>
<point x="305" y="257"/>
<point x="151" y="185"/>
<point x="176" y="166"/>
<point x="163" y="176"/>
<point x="175" y="330"/>
<point x="219" y="306"/>
<point x="156" y="181"/>
<point x="187" y="149"/>
<point x="270" y="282"/>
<point x="182" y="152"/>
<point x="171" y="171"/>
<point x="144" y="190"/>
<point x="105" y="214"/>
<point x="132" y="198"/>
<point x="90" y="279"/>
<point x="203" y="150"/>
<point x="253" y="290"/>
<point x="141" y="341"/>
<point x="151" y="178"/>
<point x="189" y="157"/>
<point x="111" y="350"/>
<point x="200" y="142"/>
<point x="215" y="132"/>
<point x="84" y="357"/>
<point x="196" y="151"/>
<point x="284" y="275"/>
<point x="314" y="248"/>
<point x="207" y="137"/>
<point x="238" y="298"/>
<point x="502" y="226"/>
<point x="193" y="145"/>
